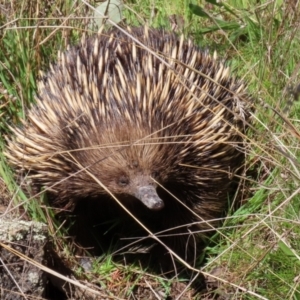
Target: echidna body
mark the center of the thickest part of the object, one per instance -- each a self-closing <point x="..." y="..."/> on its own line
<point x="160" y="123"/>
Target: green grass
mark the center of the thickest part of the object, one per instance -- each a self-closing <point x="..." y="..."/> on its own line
<point x="257" y="254"/>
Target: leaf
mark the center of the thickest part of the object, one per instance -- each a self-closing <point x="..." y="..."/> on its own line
<point x="198" y="11"/>
<point x="111" y="9"/>
<point x="288" y="252"/>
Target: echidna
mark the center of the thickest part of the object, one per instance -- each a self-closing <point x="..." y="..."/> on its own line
<point x="159" y="122"/>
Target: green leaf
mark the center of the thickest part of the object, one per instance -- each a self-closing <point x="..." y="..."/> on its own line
<point x="112" y="9"/>
<point x="198" y="11"/>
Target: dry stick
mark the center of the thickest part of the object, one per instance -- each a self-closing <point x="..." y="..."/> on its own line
<point x="152" y="290"/>
<point x="159" y="241"/>
<point x="49" y="271"/>
<point x="12" y="277"/>
<point x="76" y="283"/>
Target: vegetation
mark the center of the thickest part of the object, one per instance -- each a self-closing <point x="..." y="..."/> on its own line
<point x="256" y="254"/>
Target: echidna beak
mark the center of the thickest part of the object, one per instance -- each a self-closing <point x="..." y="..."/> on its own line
<point x="148" y="196"/>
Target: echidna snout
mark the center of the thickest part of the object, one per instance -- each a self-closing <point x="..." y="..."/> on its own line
<point x="147" y="194"/>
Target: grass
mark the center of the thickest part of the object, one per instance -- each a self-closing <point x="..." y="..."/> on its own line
<point x="257" y="251"/>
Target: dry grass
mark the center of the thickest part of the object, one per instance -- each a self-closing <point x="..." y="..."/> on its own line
<point x="255" y="255"/>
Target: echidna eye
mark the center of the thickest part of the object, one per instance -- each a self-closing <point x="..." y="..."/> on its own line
<point x="135" y="164"/>
<point x="123" y="180"/>
<point x="154" y="174"/>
